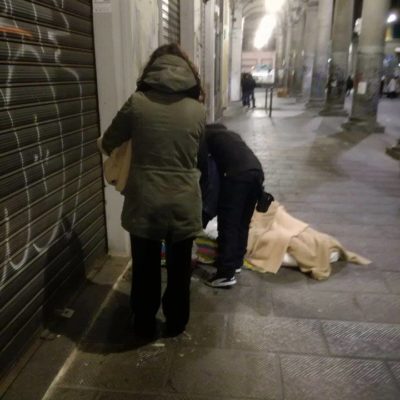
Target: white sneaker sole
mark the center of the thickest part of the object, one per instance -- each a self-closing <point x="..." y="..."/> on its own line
<point x="215" y="284"/>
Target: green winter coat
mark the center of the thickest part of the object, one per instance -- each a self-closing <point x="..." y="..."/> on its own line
<point x="162" y="195"/>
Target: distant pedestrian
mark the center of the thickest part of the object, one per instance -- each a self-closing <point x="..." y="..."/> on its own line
<point x="248" y="86"/>
<point x="393" y="87"/>
<point x="245" y="90"/>
<point x="349" y="85"/>
<point x="382" y="85"/>
<point x="252" y="86"/>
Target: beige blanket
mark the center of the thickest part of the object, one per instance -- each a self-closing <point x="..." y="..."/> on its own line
<point x="274" y="233"/>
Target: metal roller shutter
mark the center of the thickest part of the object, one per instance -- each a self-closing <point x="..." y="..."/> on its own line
<point x="170" y="21"/>
<point x="51" y="190"/>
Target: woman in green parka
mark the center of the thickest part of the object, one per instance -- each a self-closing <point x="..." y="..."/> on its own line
<point x="165" y="119"/>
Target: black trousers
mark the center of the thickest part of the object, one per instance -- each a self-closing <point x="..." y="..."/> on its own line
<point x="246" y="98"/>
<point x="252" y="98"/>
<point x="237" y="201"/>
<point x="146" y="283"/>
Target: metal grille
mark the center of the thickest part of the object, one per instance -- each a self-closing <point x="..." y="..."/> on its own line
<point x="170" y="21"/>
<point x="51" y="190"/>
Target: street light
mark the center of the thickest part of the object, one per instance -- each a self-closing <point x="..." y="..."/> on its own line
<point x="392" y="18"/>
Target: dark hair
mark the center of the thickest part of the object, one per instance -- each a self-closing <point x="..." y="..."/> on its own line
<point x="196" y="92"/>
<point x="216" y="126"/>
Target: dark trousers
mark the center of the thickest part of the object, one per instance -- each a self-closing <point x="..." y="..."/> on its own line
<point x="253" y="99"/>
<point x="146" y="283"/>
<point x="246" y="98"/>
<point x="237" y="201"/>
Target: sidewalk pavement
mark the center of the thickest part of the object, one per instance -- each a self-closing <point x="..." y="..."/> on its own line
<point x="284" y="336"/>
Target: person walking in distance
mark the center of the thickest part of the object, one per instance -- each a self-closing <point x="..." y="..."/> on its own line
<point x="252" y="86"/>
<point x="162" y="195"/>
<point x="349" y="85"/>
<point x="248" y="86"/>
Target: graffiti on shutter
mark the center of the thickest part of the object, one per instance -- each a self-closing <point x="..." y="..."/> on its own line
<point x="50" y="174"/>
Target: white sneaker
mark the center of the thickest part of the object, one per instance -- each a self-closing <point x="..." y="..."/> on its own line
<point x="216" y="282"/>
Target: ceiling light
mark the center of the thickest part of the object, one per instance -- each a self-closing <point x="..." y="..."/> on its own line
<point x="273" y="6"/>
<point x="264" y="31"/>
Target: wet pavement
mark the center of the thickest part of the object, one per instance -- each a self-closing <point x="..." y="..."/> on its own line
<point x="284" y="336"/>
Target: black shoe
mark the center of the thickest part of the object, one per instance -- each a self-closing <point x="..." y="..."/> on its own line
<point x="172" y="331"/>
<point x="221" y="282"/>
<point x="264" y="202"/>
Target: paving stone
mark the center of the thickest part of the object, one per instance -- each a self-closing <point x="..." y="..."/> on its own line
<point x="385" y="260"/>
<point x="204" y="329"/>
<point x="144" y="368"/>
<point x="362" y="339"/>
<point x="238" y="299"/>
<point x="395" y="368"/>
<point x="276" y="335"/>
<point x="316" y="378"/>
<point x="316" y="305"/>
<point x="340" y="200"/>
<point x="393" y="281"/>
<point x="111" y="329"/>
<point x="373" y="246"/>
<point x="340" y="230"/>
<point x="226" y="373"/>
<point x="130" y="396"/>
<point x="346" y="278"/>
<point x="380" y="308"/>
<point x="135" y="396"/>
<point x="73" y="394"/>
<point x="286" y="277"/>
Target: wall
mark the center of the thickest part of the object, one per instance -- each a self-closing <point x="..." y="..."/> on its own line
<point x="191" y="30"/>
<point x="125" y="33"/>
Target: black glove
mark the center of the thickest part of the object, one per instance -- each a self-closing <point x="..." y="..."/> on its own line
<point x="264" y="201"/>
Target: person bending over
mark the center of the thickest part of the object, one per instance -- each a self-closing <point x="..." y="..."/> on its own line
<point x="241" y="185"/>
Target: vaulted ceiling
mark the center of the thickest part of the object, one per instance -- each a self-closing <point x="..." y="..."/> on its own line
<point x="253" y="12"/>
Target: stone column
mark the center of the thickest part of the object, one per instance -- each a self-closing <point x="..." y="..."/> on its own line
<point x="310" y="43"/>
<point x="279" y="54"/>
<point x="322" y="54"/>
<point x="209" y="58"/>
<point x="338" y="67"/>
<point x="236" y="51"/>
<point x="299" y="57"/>
<point x="369" y="67"/>
<point x="294" y="45"/>
<point x="288" y="51"/>
<point x="191" y="29"/>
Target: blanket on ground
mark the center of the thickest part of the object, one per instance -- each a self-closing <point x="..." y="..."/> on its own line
<point x="276" y="236"/>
